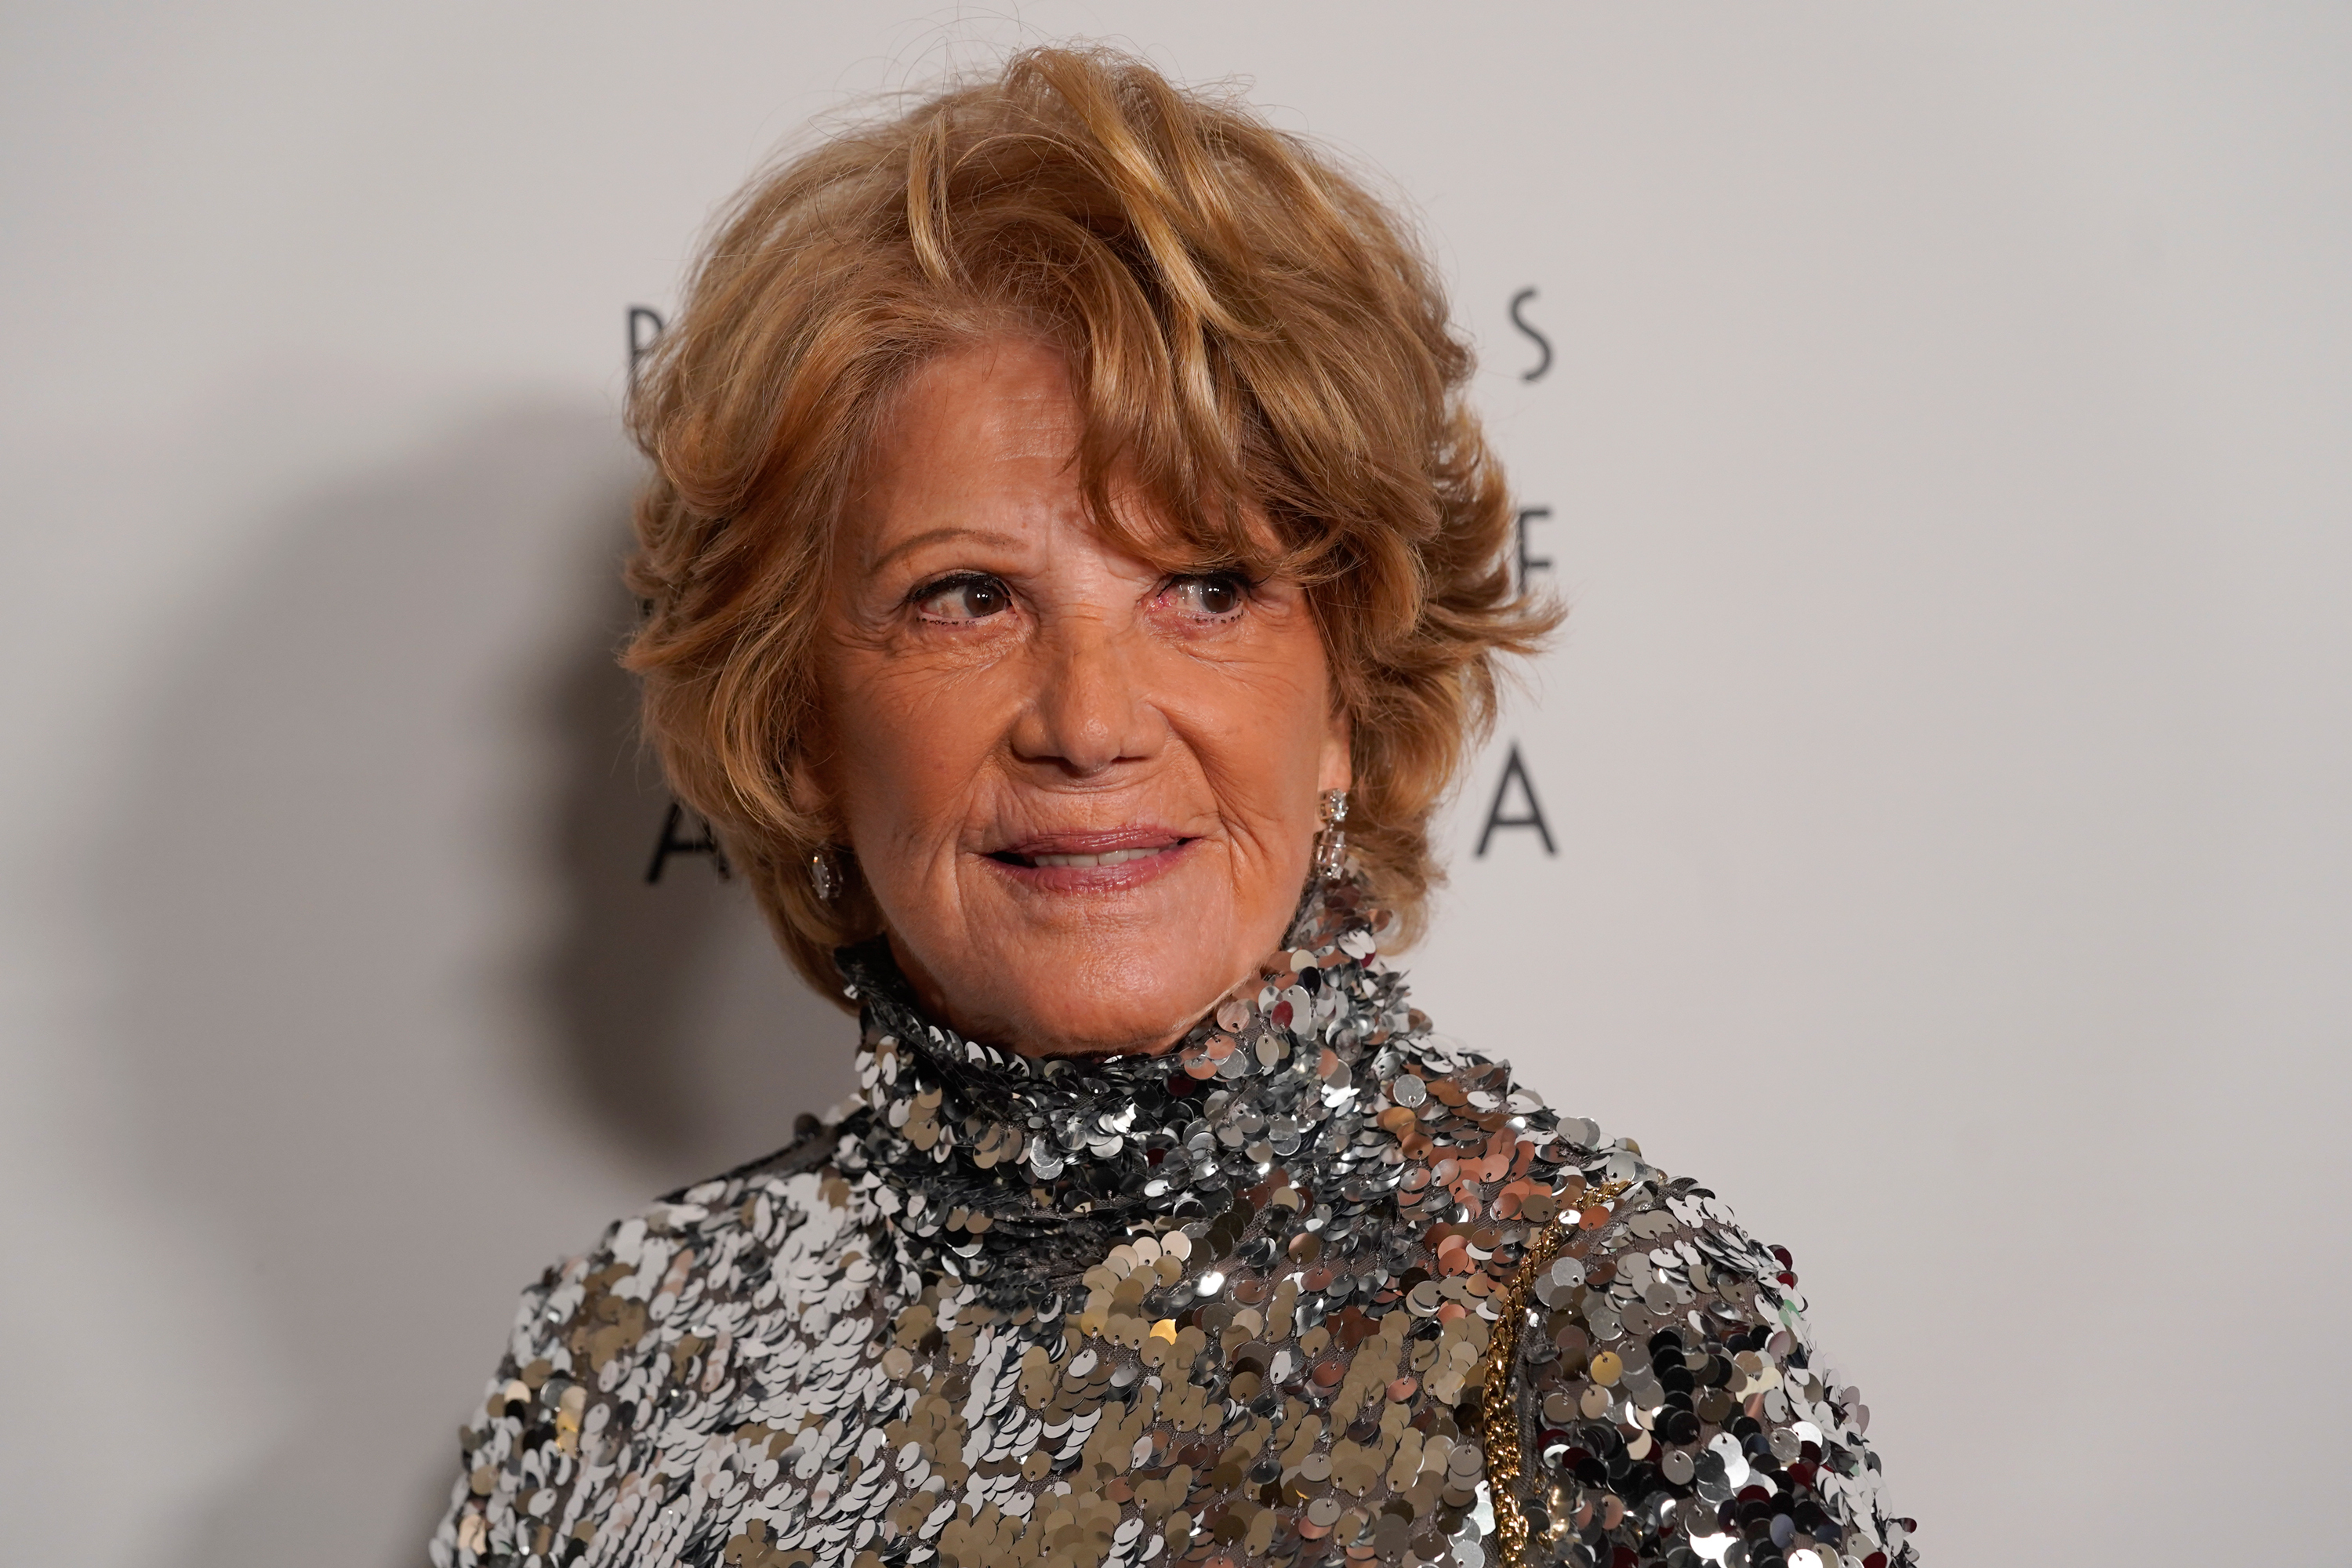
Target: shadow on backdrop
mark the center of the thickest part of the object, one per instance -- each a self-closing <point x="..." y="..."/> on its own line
<point x="665" y="978"/>
<point x="402" y="1017"/>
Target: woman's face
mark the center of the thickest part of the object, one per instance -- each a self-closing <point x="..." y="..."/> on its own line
<point x="1084" y="792"/>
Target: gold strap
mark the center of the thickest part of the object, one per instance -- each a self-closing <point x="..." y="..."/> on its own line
<point x="1498" y="1409"/>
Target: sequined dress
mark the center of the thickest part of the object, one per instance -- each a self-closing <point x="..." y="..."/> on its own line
<point x="1318" y="1289"/>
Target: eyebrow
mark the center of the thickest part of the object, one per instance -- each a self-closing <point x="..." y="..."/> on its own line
<point x="937" y="536"/>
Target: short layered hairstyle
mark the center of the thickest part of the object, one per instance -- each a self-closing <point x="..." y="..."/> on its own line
<point x="1260" y="350"/>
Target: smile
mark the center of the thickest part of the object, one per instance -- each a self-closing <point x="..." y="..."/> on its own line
<point x="1099" y="861"/>
<point x="1108" y="858"/>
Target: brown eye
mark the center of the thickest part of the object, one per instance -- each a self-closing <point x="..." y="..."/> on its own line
<point x="1212" y="596"/>
<point x="966" y="599"/>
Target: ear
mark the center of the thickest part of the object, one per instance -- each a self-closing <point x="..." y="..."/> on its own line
<point x="802" y="786"/>
<point x="1336" y="768"/>
<point x="805" y="781"/>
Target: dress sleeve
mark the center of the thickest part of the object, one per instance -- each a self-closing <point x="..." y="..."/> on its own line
<point x="1670" y="1404"/>
<point x="563" y="1462"/>
<point x="519" y="1451"/>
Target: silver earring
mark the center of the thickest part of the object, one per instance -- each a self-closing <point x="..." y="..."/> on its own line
<point x="1331" y="844"/>
<point x="826" y="873"/>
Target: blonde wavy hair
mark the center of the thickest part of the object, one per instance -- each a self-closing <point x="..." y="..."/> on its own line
<point x="1247" y="327"/>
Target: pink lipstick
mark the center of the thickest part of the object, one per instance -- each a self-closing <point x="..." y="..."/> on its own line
<point x="1115" y="858"/>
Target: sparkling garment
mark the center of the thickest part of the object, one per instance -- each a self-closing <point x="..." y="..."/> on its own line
<point x="1316" y="1288"/>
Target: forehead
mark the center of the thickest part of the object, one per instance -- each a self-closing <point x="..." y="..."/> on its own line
<point x="996" y="414"/>
<point x="990" y="434"/>
<point x="1010" y="396"/>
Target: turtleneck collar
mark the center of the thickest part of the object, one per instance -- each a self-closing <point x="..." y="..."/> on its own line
<point x="1017" y="1173"/>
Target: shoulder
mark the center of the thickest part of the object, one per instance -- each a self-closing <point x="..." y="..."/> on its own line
<point x="724" y="1236"/>
<point x="603" y="1342"/>
<point x="1668" y="1358"/>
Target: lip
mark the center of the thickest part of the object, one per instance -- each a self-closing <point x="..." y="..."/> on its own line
<point x="1105" y="860"/>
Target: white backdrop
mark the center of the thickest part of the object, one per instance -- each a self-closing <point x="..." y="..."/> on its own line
<point x="1947" y="761"/>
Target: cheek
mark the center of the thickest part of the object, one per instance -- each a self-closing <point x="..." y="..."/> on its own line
<point x="1259" y="729"/>
<point x="908" y="746"/>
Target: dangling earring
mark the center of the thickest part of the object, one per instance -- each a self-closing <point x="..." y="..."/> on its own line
<point x="825" y="873"/>
<point x="1331" y="844"/>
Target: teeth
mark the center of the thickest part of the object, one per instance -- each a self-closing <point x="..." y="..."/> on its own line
<point x="1114" y="857"/>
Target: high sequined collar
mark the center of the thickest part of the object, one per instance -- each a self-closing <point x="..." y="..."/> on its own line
<point x="1018" y="1172"/>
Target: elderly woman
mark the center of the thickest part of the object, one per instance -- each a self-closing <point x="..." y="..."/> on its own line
<point x="1073" y="577"/>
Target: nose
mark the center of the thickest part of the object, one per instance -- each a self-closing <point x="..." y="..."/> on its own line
<point x="1089" y="712"/>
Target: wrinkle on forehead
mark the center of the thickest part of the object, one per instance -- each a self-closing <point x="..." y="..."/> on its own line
<point x="1030" y="427"/>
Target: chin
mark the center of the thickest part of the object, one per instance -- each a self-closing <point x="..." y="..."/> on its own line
<point x="1049" y="1029"/>
<point x="1121" y="1001"/>
<point x="1128" y="975"/>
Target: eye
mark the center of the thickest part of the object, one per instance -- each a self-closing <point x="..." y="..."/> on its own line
<point x="1216" y="596"/>
<point x="971" y="597"/>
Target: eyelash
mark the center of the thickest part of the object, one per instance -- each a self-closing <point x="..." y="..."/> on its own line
<point x="925" y="593"/>
<point x="1246" y="588"/>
